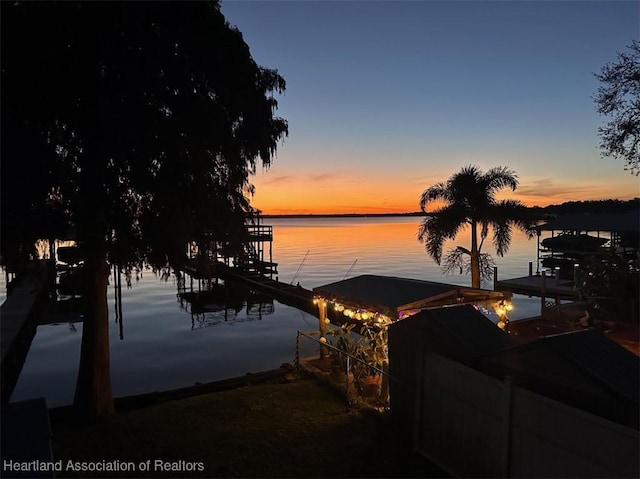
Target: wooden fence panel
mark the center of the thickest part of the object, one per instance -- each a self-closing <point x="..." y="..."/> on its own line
<point x="473" y="425"/>
<point x="460" y="419"/>
<point x="551" y="439"/>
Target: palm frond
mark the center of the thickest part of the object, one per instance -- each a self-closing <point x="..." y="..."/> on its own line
<point x="519" y="215"/>
<point x="442" y="225"/>
<point x="501" y="236"/>
<point x="463" y="186"/>
<point x="435" y="192"/>
<point x="500" y="177"/>
<point x="458" y="259"/>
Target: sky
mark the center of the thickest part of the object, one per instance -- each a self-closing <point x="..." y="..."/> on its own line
<point x="386" y="98"/>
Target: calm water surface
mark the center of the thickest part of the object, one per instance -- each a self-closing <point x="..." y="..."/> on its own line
<point x="166" y="347"/>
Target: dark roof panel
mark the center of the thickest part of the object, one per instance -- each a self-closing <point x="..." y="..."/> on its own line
<point x="459" y="332"/>
<point x="388" y="291"/>
<point x="600" y="358"/>
<point x="588" y="357"/>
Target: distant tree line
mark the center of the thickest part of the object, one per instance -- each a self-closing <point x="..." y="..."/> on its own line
<point x="590" y="206"/>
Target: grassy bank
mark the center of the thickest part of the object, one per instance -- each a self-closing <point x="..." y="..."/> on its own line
<point x="299" y="428"/>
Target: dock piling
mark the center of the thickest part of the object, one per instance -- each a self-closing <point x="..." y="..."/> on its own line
<point x="543" y="290"/>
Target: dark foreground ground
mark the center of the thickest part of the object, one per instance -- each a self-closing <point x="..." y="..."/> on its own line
<point x="293" y="428"/>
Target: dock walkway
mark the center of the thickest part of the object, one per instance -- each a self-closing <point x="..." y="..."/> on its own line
<point x="19" y="315"/>
<point x="538" y="286"/>
<point x="291" y="295"/>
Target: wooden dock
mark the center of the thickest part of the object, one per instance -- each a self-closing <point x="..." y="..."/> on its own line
<point x="288" y="294"/>
<point x="19" y="319"/>
<point x="539" y="286"/>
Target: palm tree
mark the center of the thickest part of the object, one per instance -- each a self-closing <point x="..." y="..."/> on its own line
<point x="469" y="197"/>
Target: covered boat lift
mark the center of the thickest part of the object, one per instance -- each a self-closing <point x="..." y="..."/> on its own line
<point x="389" y="298"/>
<point x="622" y="229"/>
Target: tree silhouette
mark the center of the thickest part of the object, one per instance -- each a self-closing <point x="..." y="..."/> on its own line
<point x="618" y="97"/>
<point x="469" y="198"/>
<point x="153" y="117"/>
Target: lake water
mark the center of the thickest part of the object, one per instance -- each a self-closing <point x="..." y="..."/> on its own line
<point x="166" y="347"/>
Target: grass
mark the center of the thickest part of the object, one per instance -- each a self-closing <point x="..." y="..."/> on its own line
<point x="299" y="428"/>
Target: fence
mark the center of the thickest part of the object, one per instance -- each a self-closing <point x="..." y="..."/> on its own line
<point x="345" y="371"/>
<point x="473" y="425"/>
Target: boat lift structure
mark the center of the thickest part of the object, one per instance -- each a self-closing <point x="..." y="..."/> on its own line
<point x="253" y="257"/>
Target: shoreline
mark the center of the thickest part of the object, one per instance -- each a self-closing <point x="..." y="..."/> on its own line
<point x="344" y="215"/>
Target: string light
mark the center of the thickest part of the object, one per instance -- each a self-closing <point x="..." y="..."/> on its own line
<point x="360" y="314"/>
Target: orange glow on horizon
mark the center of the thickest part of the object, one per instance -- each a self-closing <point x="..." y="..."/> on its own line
<point x="344" y="197"/>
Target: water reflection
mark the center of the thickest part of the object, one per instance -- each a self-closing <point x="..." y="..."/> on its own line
<point x="169" y="339"/>
<point x="222" y="303"/>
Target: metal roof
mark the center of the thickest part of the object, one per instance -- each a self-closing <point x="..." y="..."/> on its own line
<point x="628" y="221"/>
<point x="397" y="294"/>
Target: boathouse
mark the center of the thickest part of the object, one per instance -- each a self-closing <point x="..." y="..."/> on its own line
<point x="395" y="298"/>
<point x="575" y="237"/>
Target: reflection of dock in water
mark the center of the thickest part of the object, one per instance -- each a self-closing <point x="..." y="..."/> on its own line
<point x="250" y="267"/>
<point x="224" y="302"/>
<point x="295" y="296"/>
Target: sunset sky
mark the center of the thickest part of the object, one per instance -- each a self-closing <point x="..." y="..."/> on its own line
<point x="387" y="98"/>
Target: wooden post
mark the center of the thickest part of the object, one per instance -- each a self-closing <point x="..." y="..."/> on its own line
<point x="322" y="326"/>
<point x="530" y="268"/>
<point x="495" y="278"/>
<point x="506" y="425"/>
<point x="542" y="291"/>
<point x="418" y="400"/>
<point x="556" y="275"/>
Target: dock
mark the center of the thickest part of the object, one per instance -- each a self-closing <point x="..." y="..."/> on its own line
<point x="295" y="296"/>
<point x="19" y="315"/>
<point x="539" y="286"/>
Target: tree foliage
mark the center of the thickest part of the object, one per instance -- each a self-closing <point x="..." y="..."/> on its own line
<point x="155" y="116"/>
<point x="618" y="98"/>
<point x="589" y="206"/>
<point x="610" y="287"/>
<point x="469" y="198"/>
<point x="140" y="124"/>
